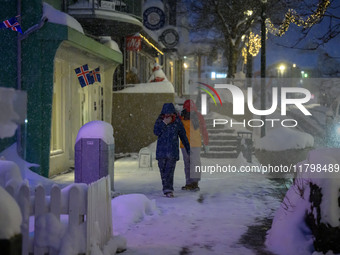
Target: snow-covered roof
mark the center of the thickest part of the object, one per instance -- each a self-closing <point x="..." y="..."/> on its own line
<point x="58" y="17"/>
<point x="152" y="87"/>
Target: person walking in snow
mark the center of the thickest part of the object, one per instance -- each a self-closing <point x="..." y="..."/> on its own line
<point x="195" y="128"/>
<point x="168" y="128"/>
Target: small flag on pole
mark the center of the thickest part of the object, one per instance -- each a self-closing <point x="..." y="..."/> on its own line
<point x="96" y="74"/>
<point x="12" y="24"/>
<point x="84" y="75"/>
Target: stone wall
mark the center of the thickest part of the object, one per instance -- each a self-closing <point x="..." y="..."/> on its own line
<point x="133" y="118"/>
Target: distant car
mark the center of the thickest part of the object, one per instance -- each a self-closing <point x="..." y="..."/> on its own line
<point x="333" y="119"/>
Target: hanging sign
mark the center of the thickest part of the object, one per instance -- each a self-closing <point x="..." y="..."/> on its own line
<point x="169" y="38"/>
<point x="153" y="18"/>
<point x="133" y="43"/>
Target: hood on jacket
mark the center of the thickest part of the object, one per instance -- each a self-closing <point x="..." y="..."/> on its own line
<point x="189" y="106"/>
<point x="168" y="108"/>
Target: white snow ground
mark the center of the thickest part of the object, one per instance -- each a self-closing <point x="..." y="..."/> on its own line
<point x="207" y="222"/>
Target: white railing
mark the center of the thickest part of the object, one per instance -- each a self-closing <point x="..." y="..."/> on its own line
<point x="82" y="211"/>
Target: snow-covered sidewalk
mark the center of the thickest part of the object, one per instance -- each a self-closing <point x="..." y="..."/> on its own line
<point x="207" y="222"/>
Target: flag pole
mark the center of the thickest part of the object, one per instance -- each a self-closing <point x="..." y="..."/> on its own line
<point x="20" y="146"/>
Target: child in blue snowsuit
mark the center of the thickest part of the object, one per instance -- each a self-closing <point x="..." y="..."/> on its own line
<point x="168" y="128"/>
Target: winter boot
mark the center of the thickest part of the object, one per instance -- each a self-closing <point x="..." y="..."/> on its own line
<point x="187" y="187"/>
<point x="194" y="186"/>
<point x="169" y="194"/>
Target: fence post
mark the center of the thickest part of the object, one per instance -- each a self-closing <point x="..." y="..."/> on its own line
<point x="39" y="211"/>
<point x="23" y="199"/>
<point x="55" y="205"/>
<point x="76" y="211"/>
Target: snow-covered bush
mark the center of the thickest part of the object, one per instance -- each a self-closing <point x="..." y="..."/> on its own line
<point x="308" y="219"/>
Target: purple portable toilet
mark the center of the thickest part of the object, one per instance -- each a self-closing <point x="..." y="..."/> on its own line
<point x="94" y="153"/>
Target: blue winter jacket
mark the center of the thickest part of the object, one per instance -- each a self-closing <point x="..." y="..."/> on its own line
<point x="167" y="142"/>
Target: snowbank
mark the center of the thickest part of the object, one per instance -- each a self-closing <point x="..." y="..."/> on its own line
<point x="152" y="87"/>
<point x="58" y="17"/>
<point x="289" y="234"/>
<point x="130" y="209"/>
<point x="10" y="216"/>
<point x="284" y="138"/>
<point x="97" y="129"/>
<point x="116" y="244"/>
<point x="9" y="174"/>
<point x="34" y="179"/>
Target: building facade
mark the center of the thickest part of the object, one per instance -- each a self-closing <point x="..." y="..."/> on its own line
<point x="65" y="35"/>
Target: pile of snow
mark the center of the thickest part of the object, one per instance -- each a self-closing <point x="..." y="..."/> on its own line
<point x="34" y="179"/>
<point x="284" y="138"/>
<point x="289" y="233"/>
<point x="153" y="87"/>
<point x="115" y="245"/>
<point x="9" y="174"/>
<point x="8" y="117"/>
<point x="58" y="17"/>
<point x="97" y="129"/>
<point x="107" y="41"/>
<point x="10" y="216"/>
<point x="130" y="209"/>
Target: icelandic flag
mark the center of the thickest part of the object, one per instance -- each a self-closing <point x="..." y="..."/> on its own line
<point x="84" y="76"/>
<point x="96" y="74"/>
<point x="11" y="24"/>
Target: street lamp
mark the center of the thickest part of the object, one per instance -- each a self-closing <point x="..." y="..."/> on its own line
<point x="263" y="64"/>
<point x="282" y="69"/>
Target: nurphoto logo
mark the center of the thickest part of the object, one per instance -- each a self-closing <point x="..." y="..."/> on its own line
<point x="238" y="104"/>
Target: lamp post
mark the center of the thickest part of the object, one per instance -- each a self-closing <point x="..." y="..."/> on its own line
<point x="263" y="64"/>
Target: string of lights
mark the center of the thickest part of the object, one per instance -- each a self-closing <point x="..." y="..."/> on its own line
<point x="151" y="44"/>
<point x="252" y="47"/>
<point x="291" y="17"/>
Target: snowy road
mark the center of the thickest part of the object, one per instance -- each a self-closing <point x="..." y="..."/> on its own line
<point x="211" y="221"/>
<point x="207" y="222"/>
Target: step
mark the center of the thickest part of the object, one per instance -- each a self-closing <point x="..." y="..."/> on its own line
<point x="219" y="130"/>
<point x="229" y="154"/>
<point x="223" y="137"/>
<point x="223" y="143"/>
<point x="224" y="148"/>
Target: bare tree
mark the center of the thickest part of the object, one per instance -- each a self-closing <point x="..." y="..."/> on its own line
<point x="230" y="21"/>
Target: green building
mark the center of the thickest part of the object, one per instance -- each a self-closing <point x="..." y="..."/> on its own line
<point x="42" y="63"/>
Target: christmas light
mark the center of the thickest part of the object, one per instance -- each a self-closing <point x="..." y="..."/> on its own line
<point x="153" y="46"/>
<point x="292" y="17"/>
<point x="254" y="44"/>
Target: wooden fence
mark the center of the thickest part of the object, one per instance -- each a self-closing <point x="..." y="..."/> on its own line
<point x="84" y="211"/>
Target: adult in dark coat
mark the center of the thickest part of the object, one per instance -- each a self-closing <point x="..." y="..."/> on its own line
<point x="168" y="128"/>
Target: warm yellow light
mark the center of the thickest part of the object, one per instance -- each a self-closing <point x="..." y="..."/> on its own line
<point x="153" y="46"/>
<point x="282" y="68"/>
<point x="294" y="65"/>
<point x="185" y="65"/>
<point x="249" y="12"/>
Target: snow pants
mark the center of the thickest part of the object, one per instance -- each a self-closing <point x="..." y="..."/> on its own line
<point x="167" y="170"/>
<point x="190" y="163"/>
